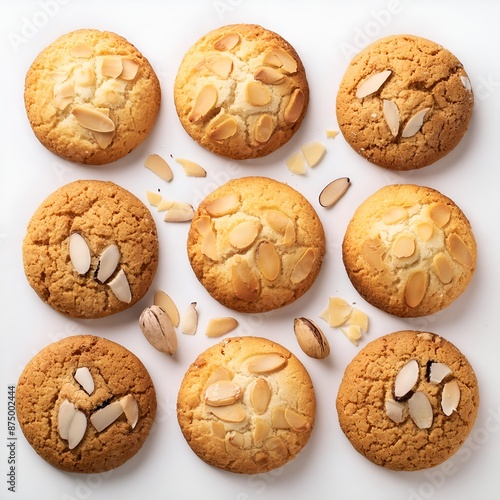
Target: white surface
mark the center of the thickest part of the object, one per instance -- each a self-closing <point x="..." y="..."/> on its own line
<point x="326" y="35"/>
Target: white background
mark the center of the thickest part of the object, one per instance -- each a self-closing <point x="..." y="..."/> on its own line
<point x="326" y="34"/>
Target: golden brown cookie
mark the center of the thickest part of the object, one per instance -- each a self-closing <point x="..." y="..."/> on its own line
<point x="404" y="102"/>
<point x="408" y="400"/>
<point x="409" y="250"/>
<point x="241" y="91"/>
<point x="91" y="249"/>
<point x="256" y="244"/>
<point x="246" y="405"/>
<point x="91" y="97"/>
<point x="85" y="404"/>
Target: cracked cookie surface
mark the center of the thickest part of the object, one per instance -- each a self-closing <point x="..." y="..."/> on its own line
<point x="104" y="215"/>
<point x="49" y="379"/>
<point x="241" y="91"/>
<point x="84" y="74"/>
<point x="246" y="405"/>
<point x="368" y="382"/>
<point x="409" y="250"/>
<point x="256" y="244"/>
<point x="423" y="77"/>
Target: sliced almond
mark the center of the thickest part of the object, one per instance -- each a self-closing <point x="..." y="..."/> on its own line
<point x="223" y="129"/>
<point x="165" y="204"/>
<point x="130" y="68"/>
<point x="268" y="75"/>
<point x="159" y="166"/>
<point x="222" y="373"/>
<point x="295" y="107"/>
<point x="333" y="191"/>
<point x="278" y="420"/>
<point x="67" y="412"/>
<point x="277" y="220"/>
<point x="92" y="119"/>
<point x="230" y="413"/>
<point x="277" y="445"/>
<point x="106" y="416"/>
<point x="352" y="332"/>
<point x="415" y="123"/>
<point x="108" y="262"/>
<point x="203" y="224"/>
<point x="111" y="66"/>
<point x="179" y="212"/>
<point x="191" y="168"/>
<point x="267" y="363"/>
<point x="404" y="246"/>
<point x="165" y="302"/>
<point x="77" y="429"/>
<point x="358" y="318"/>
<point x="257" y="94"/>
<point x="395" y="410"/>
<point x="420" y="410"/>
<point x="217" y="327"/>
<point x="444" y="268"/>
<point x="450" y="397"/>
<point x="263" y="128"/>
<point x="158" y="329"/>
<point x="440" y="214"/>
<point x="204" y="103"/>
<point x="297" y="421"/>
<point x="84" y="378"/>
<point x="459" y="250"/>
<point x="84" y="76"/>
<point x="260" y="395"/>
<point x="244" y="282"/>
<point x="103" y="139"/>
<point x="296" y="163"/>
<point x="331" y="134"/>
<point x="120" y="287"/>
<point x="281" y="59"/>
<point x="406" y="379"/>
<point x="237" y="439"/>
<point x="65" y="89"/>
<point x="261" y="430"/>
<point x="244" y="234"/>
<point x="82" y="50"/>
<point x="79" y="253"/>
<point x="438" y="372"/>
<point x="62" y="103"/>
<point x="424" y="230"/>
<point x="131" y="409"/>
<point x="391" y="115"/>
<point x="189" y="322"/>
<point x="310" y="338"/>
<point x="372" y="84"/>
<point x="415" y="288"/>
<point x="224" y="206"/>
<point x="394" y="214"/>
<point x="222" y="393"/>
<point x="313" y="152"/>
<point x="466" y="83"/>
<point x="209" y="245"/>
<point x="268" y="260"/>
<point x="218" y="429"/>
<point x="338" y="311"/>
<point x="227" y="42"/>
<point x="220" y="65"/>
<point x="303" y="266"/>
<point x="373" y="252"/>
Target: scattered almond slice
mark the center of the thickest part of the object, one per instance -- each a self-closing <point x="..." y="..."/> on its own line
<point x="313" y="153"/>
<point x="352" y="332"/>
<point x="331" y="134"/>
<point x="165" y="302"/>
<point x="179" y="212"/>
<point x="165" y="205"/>
<point x="223" y="206"/>
<point x="159" y="166"/>
<point x="358" y="318"/>
<point x="220" y="326"/>
<point x="189" y="322"/>
<point x="333" y="191"/>
<point x="191" y="168"/>
<point x="338" y="311"/>
<point x="296" y="163"/>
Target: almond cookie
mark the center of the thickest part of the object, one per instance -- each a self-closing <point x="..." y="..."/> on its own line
<point x="241" y="91"/>
<point x="91" y="249"/>
<point x="404" y="102"/>
<point x="246" y="405"/>
<point x="91" y="97"/>
<point x="85" y="404"/>
<point x="409" y="250"/>
<point x="408" y="400"/>
<point x="256" y="244"/>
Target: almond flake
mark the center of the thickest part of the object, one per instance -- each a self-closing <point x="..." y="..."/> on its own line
<point x="338" y="311"/>
<point x="67" y="411"/>
<point x="391" y="115"/>
<point x="395" y="411"/>
<point x="189" y="322"/>
<point x="440" y="214"/>
<point x="438" y="372"/>
<point x="84" y="378"/>
<point x="268" y="260"/>
<point x="222" y="373"/>
<point x="220" y="65"/>
<point x="191" y="168"/>
<point x="153" y="197"/>
<point x="281" y="59"/>
<point x="227" y="42"/>
<point x="415" y="288"/>
<point x="331" y="134"/>
<point x="303" y="267"/>
<point x="130" y="68"/>
<point x="358" y="318"/>
<point x="217" y="327"/>
<point x="209" y="245"/>
<point x="108" y="262"/>
<point x="93" y="119"/>
<point x="218" y="429"/>
<point x="244" y="282"/>
<point x="205" y="102"/>
<point x="295" y="106"/>
<point x="179" y="212"/>
<point x="404" y="246"/>
<point x="278" y="420"/>
<point x="277" y="220"/>
<point x="260" y="396"/>
<point x="450" y="397"/>
<point x="159" y="166"/>
<point x="223" y="128"/>
<point x="296" y="163"/>
<point x="420" y="410"/>
<point x="459" y="250"/>
<point x="79" y="253"/>
<point x="444" y="268"/>
<point x="372" y="84"/>
<point x="256" y="94"/>
<point x="263" y="128"/>
<point x="223" y="206"/>
<point x="352" y="332"/>
<point x="131" y="409"/>
<point x="333" y="191"/>
<point x="424" y="230"/>
<point x="406" y="379"/>
<point x="268" y="75"/>
<point x="103" y="139"/>
<point x="414" y="123"/>
<point x="163" y="300"/>
<point x="77" y="429"/>
<point x="222" y="393"/>
<point x="296" y="421"/>
<point x="313" y="153"/>
<point x="106" y="416"/>
<point x="120" y="287"/>
<point x="394" y="214"/>
<point x="267" y="363"/>
<point x="231" y="413"/>
<point x="111" y="66"/>
<point x="244" y="234"/>
<point x="373" y="252"/>
<point x="261" y="430"/>
<point x="165" y="205"/>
